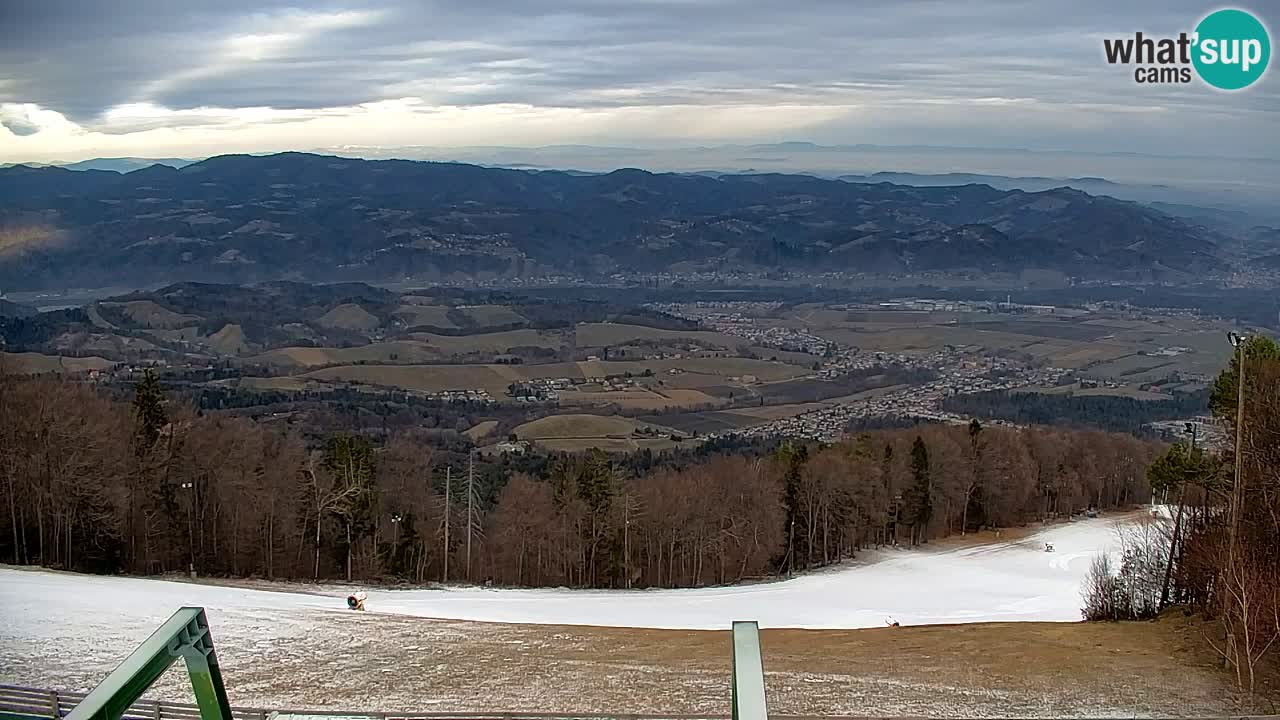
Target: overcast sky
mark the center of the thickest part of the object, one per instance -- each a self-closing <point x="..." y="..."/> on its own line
<point x="172" y="78"/>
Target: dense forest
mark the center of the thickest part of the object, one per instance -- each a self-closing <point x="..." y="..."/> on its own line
<point x="1104" y="412"/>
<point x="150" y="485"/>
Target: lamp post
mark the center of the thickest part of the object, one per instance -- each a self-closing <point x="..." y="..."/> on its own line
<point x="396" y="519"/>
<point x="191" y="535"/>
<point x="1237" y="489"/>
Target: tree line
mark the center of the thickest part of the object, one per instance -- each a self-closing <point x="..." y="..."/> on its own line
<point x="150" y="485"/>
<point x="1105" y="412"/>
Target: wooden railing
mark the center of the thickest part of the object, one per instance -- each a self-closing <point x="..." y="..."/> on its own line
<point x="55" y="704"/>
<point x="23" y="703"/>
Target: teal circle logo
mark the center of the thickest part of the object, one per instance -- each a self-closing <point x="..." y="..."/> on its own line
<point x="1231" y="49"/>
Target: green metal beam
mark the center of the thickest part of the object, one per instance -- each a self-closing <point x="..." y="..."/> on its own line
<point x="748" y="673"/>
<point x="184" y="635"/>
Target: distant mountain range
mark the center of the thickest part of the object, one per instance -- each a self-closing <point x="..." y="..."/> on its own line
<point x="240" y="218"/>
<point x="120" y="165"/>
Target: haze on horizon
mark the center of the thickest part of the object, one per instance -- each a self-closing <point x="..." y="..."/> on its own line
<point x="154" y="78"/>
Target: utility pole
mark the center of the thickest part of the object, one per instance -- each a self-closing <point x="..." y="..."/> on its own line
<point x="626" y="539"/>
<point x="448" y="507"/>
<point x="471" y="495"/>
<point x="1237" y="489"/>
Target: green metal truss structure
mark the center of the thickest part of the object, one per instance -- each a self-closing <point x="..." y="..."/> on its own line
<point x="186" y="635"/>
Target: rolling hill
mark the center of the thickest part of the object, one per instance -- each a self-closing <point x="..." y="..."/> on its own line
<point x="239" y="218"/>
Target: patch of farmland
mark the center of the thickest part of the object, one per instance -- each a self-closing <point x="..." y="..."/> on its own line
<point x="149" y="314"/>
<point x="349" y="316"/>
<point x="493" y="315"/>
<point x="703" y="423"/>
<point x="582" y="426"/>
<point x="425" y="316"/>
<point x="387" y="352"/>
<point x="498" y="342"/>
<point x="601" y="334"/>
<point x="28" y="363"/>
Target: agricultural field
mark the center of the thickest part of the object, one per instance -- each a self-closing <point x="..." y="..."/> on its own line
<point x="349" y="316"/>
<point x="480" y="430"/>
<point x="1097" y="344"/>
<point x="150" y="314"/>
<point x="725" y="419"/>
<point x="650" y="397"/>
<point x="611" y="433"/>
<point x="388" y="352"/>
<point x="690" y="373"/>
<point x="424" y="315"/>
<point x="492" y="315"/>
<point x="602" y="334"/>
<point x="38" y="363"/>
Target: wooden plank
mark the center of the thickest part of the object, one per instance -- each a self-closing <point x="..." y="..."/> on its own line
<point x="27" y="709"/>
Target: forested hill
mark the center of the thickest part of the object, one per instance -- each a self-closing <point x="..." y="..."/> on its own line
<point x="248" y="218"/>
<point x="1105" y="412"/>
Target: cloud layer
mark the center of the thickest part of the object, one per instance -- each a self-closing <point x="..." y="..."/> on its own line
<point x="160" y="77"/>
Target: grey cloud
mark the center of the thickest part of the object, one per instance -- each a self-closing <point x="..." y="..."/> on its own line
<point x="17" y="122"/>
<point x="601" y="54"/>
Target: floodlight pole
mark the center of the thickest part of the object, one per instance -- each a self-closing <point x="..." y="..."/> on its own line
<point x="1237" y="488"/>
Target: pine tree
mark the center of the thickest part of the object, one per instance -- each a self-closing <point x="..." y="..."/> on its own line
<point x="974" y="494"/>
<point x="148" y="411"/>
<point x="350" y="461"/>
<point x="920" y="497"/>
<point x="793" y="457"/>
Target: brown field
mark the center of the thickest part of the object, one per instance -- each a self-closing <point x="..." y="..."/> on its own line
<point x="582" y="426"/>
<point x="575" y="433"/>
<point x="149" y="314"/>
<point x="403" y="351"/>
<point x="393" y="664"/>
<point x="228" y="341"/>
<point x="717" y="369"/>
<point x="422" y="378"/>
<point x="499" y="342"/>
<point x="36" y="363"/>
<point x="601" y="334"/>
<point x="652" y="398"/>
<point x="349" y="317"/>
<point x="1104" y="346"/>
<point x="609" y="445"/>
<point x="777" y="412"/>
<point x="479" y="430"/>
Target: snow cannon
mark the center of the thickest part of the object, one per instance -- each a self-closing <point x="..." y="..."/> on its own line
<point x="356" y="601"/>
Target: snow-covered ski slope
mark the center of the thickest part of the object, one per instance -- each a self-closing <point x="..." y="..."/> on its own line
<point x="1015" y="581"/>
